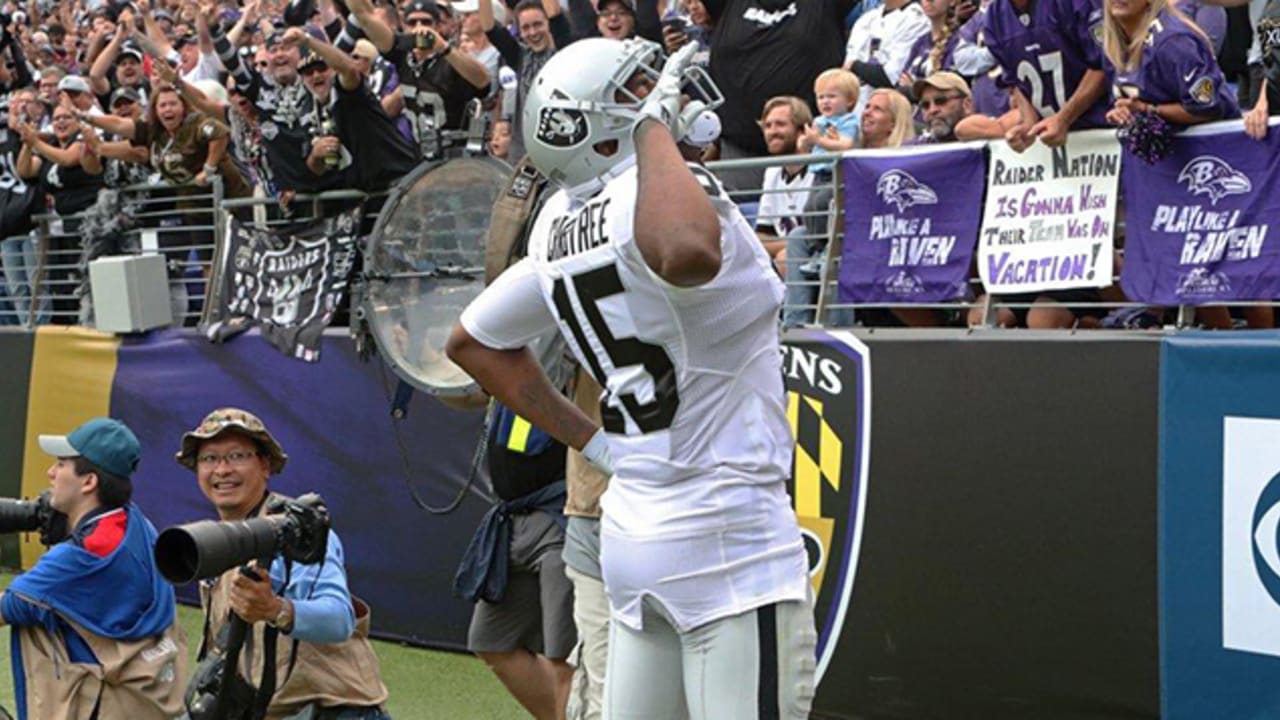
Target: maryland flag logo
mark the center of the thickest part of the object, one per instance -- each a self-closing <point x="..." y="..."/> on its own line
<point x="828" y="380"/>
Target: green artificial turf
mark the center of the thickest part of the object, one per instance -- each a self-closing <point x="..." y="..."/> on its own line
<point x="424" y="684"/>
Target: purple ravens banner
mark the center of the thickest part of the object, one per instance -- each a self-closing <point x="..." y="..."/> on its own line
<point x="910" y="223"/>
<point x="1199" y="220"/>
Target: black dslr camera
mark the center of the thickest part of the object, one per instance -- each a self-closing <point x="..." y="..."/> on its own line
<point x="202" y="697"/>
<point x="297" y="529"/>
<point x="31" y="515"/>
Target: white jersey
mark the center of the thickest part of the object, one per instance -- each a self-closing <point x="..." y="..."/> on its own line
<point x="696" y="514"/>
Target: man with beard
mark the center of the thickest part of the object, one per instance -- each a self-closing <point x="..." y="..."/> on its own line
<point x="296" y="129"/>
<point x="381" y="154"/>
<point x="785" y="188"/>
<point x="944" y="101"/>
<point x="436" y="80"/>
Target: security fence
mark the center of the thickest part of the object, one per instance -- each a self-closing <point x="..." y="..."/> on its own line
<point x="45" y="274"/>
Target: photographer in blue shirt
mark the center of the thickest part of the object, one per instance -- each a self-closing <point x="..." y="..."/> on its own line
<point x="95" y="630"/>
<point x="324" y="666"/>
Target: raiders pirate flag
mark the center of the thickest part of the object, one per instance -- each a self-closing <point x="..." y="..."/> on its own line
<point x="289" y="284"/>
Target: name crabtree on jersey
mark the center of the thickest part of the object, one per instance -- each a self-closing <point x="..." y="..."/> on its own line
<point x="590" y="267"/>
<point x="583" y="229"/>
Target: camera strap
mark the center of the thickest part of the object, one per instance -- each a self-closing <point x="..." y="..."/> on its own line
<point x="267" y="685"/>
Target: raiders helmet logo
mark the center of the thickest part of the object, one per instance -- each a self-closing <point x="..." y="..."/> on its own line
<point x="562" y="128"/>
<point x="828" y="378"/>
<point x="1203" y="90"/>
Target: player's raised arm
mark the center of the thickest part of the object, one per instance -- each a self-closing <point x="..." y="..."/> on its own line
<point x="677" y="229"/>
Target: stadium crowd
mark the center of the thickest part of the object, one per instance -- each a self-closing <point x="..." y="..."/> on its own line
<point x="277" y="99"/>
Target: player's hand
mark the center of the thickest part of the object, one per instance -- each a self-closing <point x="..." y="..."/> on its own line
<point x="688" y="116"/>
<point x="596" y="451"/>
<point x="252" y="598"/>
<point x="664" y="101"/>
<point x="1255" y="121"/>
<point x="1051" y="130"/>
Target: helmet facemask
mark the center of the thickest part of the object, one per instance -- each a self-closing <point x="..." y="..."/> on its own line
<point x="578" y="128"/>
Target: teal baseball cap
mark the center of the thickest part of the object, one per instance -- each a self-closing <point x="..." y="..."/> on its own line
<point x="107" y="443"/>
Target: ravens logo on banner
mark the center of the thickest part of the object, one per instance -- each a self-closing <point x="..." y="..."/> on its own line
<point x="828" y="377"/>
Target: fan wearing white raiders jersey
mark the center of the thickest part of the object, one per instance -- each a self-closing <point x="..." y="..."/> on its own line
<point x="661" y="289"/>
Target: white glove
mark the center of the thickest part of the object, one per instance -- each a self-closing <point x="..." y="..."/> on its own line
<point x="690" y="114"/>
<point x="596" y="451"/>
<point x="663" y="102"/>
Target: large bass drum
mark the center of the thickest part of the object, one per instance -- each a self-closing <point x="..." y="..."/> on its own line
<point x="425" y="264"/>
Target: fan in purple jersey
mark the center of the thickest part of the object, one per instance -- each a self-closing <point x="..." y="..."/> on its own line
<point x="1163" y="65"/>
<point x="1050" y="57"/>
<point x="973" y="61"/>
<point x="932" y="51"/>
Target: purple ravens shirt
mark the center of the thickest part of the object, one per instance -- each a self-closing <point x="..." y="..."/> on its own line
<point x="918" y="58"/>
<point x="1045" y="50"/>
<point x="988" y="98"/>
<point x="1177" y="66"/>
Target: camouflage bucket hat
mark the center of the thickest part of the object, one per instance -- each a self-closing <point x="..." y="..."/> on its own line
<point x="235" y="420"/>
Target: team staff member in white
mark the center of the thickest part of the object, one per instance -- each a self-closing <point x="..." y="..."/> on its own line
<point x="664" y="293"/>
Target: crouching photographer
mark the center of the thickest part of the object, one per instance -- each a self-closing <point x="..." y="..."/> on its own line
<point x="286" y="623"/>
<point x="94" y="624"/>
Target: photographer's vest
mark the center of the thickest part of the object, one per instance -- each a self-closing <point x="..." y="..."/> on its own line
<point x="325" y="674"/>
<point x="134" y="679"/>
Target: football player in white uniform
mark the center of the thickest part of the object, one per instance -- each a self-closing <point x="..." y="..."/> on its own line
<point x="665" y="295"/>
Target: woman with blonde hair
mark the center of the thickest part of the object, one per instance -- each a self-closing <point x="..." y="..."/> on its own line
<point x="1164" y="65"/>
<point x="886" y="120"/>
<point x="933" y="51"/>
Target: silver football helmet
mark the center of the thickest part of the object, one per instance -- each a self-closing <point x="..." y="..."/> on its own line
<point x="580" y="100"/>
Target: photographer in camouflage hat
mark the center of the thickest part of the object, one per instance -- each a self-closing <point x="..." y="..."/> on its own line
<point x="323" y="661"/>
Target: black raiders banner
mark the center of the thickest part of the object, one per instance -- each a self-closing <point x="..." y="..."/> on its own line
<point x="287" y="283"/>
<point x="828" y="381"/>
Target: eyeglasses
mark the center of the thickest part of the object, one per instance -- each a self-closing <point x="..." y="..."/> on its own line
<point x="310" y="70"/>
<point x="420" y="22"/>
<point x="235" y="457"/>
<point x="939" y="101"/>
<point x="614" y="13"/>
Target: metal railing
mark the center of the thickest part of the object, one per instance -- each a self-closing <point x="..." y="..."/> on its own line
<point x="45" y="271"/>
<point x="976" y="310"/>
